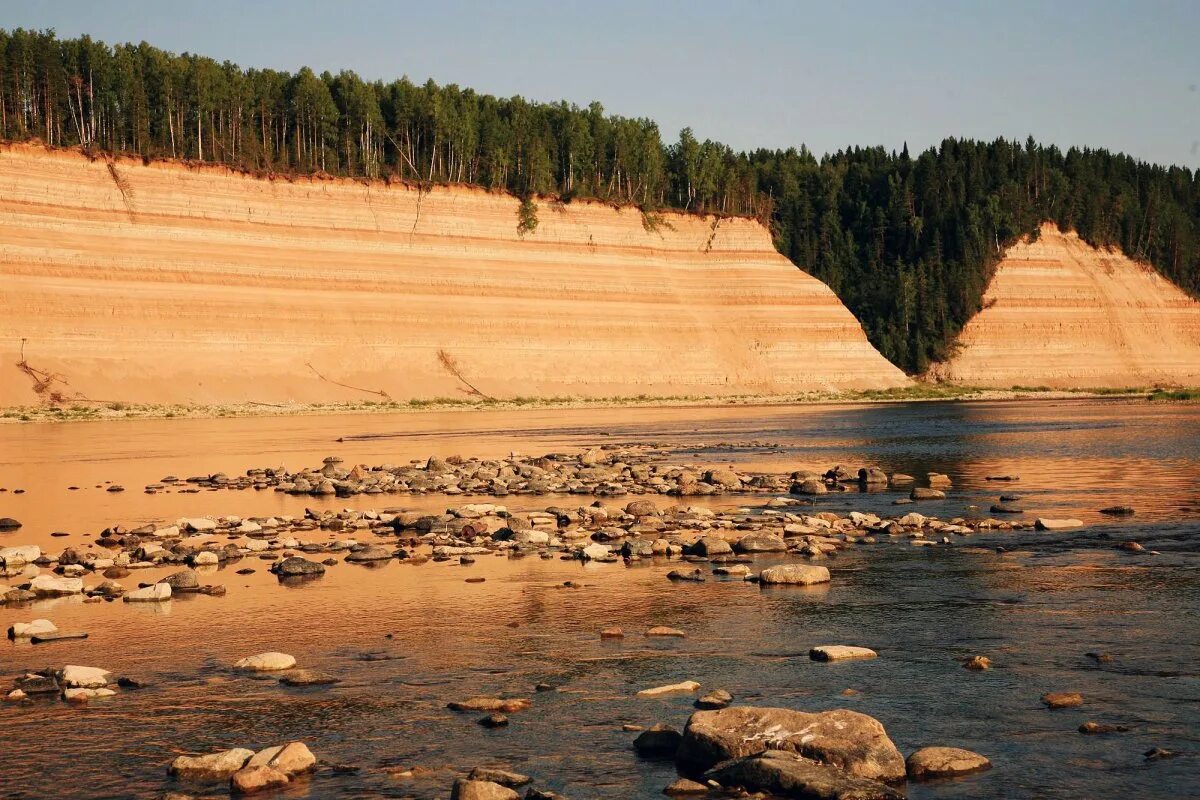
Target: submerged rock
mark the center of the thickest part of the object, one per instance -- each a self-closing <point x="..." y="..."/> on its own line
<point x="1062" y="699"/>
<point x="848" y="740"/>
<point x="296" y="566"/>
<point x="682" y="687"/>
<point x="491" y="704"/>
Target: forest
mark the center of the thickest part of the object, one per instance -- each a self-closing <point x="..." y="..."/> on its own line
<point x="907" y="242"/>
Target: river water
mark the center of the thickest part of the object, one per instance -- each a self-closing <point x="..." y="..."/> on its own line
<point x="408" y="639"/>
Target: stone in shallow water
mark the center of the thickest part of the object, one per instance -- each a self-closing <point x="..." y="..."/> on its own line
<point x="266" y="662"/>
<point x="1062" y="699"/>
<point x="657" y="740"/>
<point x="1047" y="524"/>
<point x="718" y="698"/>
<point x="977" y="663"/>
<point x="212" y="765"/>
<point x="308" y="677"/>
<point x="683" y="786"/>
<point x="500" y="776"/>
<point x="794" y="574"/>
<point x="491" y="704"/>
<point x="662" y="630"/>
<point x="255" y="779"/>
<point x="150" y="594"/>
<point x="840" y="652"/>
<point x="291" y="759"/>
<point x="682" y="687"/>
<point x="20" y="630"/>
<point x="84" y="677"/>
<point x="941" y="762"/>
<point x="847" y="740"/>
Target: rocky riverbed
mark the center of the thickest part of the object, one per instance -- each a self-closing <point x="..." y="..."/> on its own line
<point x="559" y="626"/>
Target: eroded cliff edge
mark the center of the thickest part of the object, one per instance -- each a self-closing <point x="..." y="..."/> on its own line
<point x="167" y="283"/>
<point x="1063" y="314"/>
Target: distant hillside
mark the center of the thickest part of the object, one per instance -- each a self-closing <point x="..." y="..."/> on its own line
<point x="908" y="243"/>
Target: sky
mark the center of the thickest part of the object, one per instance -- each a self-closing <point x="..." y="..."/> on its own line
<point x="750" y="73"/>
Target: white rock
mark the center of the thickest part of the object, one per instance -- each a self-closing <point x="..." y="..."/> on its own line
<point x="673" y="688"/>
<point x="840" y="652"/>
<point x="150" y="594"/>
<point x="249" y="526"/>
<point x="197" y="524"/>
<point x="26" y="629"/>
<point x="266" y="662"/>
<point x="167" y="532"/>
<point x="594" y="551"/>
<point x="83" y="695"/>
<point x="23" y="554"/>
<point x="52" y="586"/>
<point x="84" y="677"/>
<point x="205" y="557"/>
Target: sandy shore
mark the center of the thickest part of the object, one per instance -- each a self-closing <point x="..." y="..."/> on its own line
<point x="921" y="393"/>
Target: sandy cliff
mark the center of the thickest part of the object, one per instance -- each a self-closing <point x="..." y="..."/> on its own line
<point x="1063" y="314"/>
<point x="163" y="283"/>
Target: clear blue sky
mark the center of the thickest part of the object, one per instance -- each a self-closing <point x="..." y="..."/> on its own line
<point x="1121" y="75"/>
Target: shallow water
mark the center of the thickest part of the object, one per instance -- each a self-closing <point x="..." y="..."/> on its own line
<point x="1035" y="610"/>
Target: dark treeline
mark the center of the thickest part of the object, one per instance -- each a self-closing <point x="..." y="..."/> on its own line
<point x="907" y="243"/>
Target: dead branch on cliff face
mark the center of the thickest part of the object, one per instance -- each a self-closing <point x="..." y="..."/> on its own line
<point x="450" y="365"/>
<point x="48" y="386"/>
<point x="378" y="392"/>
<point x="123" y="186"/>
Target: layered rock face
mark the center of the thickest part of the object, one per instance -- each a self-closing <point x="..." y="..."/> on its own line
<point x="165" y="283"/>
<point x="1063" y="314"/>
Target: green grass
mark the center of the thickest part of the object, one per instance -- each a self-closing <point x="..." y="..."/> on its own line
<point x="1174" y="395"/>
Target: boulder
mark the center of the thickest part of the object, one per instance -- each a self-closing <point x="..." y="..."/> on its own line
<point x="942" y="762"/>
<point x="182" y="581"/>
<point x="847" y="740"/>
<point x="24" y="554"/>
<point x="718" y="698"/>
<point x="811" y="486"/>
<point x="84" y="695"/>
<point x="24" y="630"/>
<point x="53" y="586"/>
<point x="794" y="574"/>
<point x="291" y="759"/>
<point x="149" y="594"/>
<point x="370" y="553"/>
<point x="872" y="475"/>
<point x="1062" y="699"/>
<point x="252" y="780"/>
<point x="211" y="766"/>
<point x="266" y="662"/>
<point x="782" y="774"/>
<point x="465" y="789"/>
<point x="709" y="546"/>
<point x="657" y="741"/>
<point x="295" y="566"/>
<point x="840" y="652"/>
<point x="197" y="524"/>
<point x="596" y="551"/>
<point x="725" y="478"/>
<point x="73" y="676"/>
<point x="491" y="704"/>
<point x="760" y="543"/>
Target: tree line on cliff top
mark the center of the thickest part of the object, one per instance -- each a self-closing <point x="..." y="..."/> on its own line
<point x="908" y="243"/>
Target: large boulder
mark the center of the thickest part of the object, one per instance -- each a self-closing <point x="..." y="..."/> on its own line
<point x="796" y="574"/>
<point x="783" y="774"/>
<point x="255" y="779"/>
<point x="847" y="740"/>
<point x="657" y="741"/>
<point x="183" y="581"/>
<point x="725" y="478"/>
<point x="22" y="554"/>
<point x="291" y="759"/>
<point x="24" y="630"/>
<point x="942" y="762"/>
<point x="76" y="677"/>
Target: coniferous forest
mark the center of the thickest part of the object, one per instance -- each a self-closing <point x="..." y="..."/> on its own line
<point x="908" y="242"/>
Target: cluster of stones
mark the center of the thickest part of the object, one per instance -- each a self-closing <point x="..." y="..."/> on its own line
<point x="610" y="471"/>
<point x="247" y="771"/>
<point x="74" y="684"/>
<point x="786" y="753"/>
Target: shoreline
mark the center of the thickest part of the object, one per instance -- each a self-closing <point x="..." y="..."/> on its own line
<point x="81" y="412"/>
